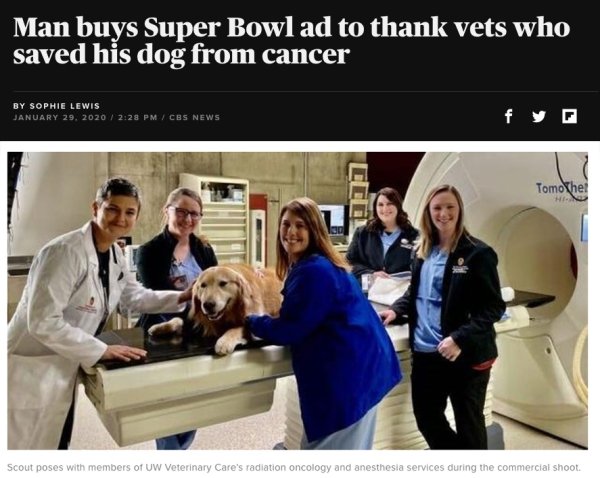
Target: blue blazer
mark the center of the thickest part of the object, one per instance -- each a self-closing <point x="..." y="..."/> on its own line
<point x="342" y="356"/>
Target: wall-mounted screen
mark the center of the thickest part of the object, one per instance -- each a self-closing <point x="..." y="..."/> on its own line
<point x="336" y="219"/>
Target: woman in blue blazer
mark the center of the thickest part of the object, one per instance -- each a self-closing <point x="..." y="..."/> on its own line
<point x="342" y="356"/>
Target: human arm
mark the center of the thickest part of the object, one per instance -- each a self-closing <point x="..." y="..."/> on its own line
<point x="356" y="256"/>
<point x="383" y="274"/>
<point x="398" y="310"/>
<point x="308" y="295"/>
<point x="136" y="297"/>
<point x="123" y="353"/>
<point x="57" y="287"/>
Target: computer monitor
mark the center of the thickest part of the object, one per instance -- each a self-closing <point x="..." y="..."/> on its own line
<point x="336" y="218"/>
<point x="131" y="256"/>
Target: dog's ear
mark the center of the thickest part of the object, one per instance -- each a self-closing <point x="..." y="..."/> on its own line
<point x="246" y="293"/>
<point x="196" y="307"/>
<point x="195" y="315"/>
<point x="196" y="304"/>
<point x="244" y="298"/>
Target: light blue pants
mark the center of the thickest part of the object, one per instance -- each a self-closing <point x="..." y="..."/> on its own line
<point x="358" y="436"/>
<point x="181" y="441"/>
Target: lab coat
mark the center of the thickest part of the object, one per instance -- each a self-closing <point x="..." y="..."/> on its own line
<point x="52" y="332"/>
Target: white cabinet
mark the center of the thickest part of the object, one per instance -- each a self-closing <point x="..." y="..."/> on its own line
<point x="226" y="214"/>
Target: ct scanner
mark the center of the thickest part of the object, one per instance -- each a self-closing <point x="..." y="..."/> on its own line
<point x="519" y="204"/>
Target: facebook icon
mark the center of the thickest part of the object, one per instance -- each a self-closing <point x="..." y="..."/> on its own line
<point x="508" y="114"/>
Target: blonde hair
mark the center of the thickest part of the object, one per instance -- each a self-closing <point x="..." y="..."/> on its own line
<point x="177" y="193"/>
<point x="174" y="196"/>
<point x="429" y="233"/>
<point x="319" y="241"/>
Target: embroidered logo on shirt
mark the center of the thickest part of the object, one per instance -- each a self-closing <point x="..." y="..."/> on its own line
<point x="89" y="307"/>
<point x="460" y="268"/>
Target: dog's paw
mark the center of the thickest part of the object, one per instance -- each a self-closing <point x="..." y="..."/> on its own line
<point x="171" y="327"/>
<point x="229" y="341"/>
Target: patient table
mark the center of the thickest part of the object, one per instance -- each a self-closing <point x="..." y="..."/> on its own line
<point x="182" y="386"/>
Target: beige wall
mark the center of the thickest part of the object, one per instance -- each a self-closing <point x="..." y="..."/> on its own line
<point x="57" y="189"/>
<point x="282" y="176"/>
<point x="54" y="195"/>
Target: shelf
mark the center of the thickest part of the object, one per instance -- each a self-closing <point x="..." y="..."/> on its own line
<point x="226" y="222"/>
<point x="227" y="239"/>
<point x="234" y="225"/>
<point x="220" y="212"/>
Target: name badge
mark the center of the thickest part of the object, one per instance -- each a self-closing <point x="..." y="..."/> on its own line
<point x="407" y="245"/>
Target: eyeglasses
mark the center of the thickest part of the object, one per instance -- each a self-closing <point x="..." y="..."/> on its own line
<point x="184" y="213"/>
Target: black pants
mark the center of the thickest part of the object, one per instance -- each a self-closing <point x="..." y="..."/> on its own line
<point x="67" y="431"/>
<point x="435" y="379"/>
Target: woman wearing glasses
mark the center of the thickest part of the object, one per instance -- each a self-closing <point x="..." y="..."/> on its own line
<point x="171" y="261"/>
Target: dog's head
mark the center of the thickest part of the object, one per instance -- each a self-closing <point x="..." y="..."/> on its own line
<point x="220" y="294"/>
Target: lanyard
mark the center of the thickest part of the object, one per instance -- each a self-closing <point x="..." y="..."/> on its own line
<point x="104" y="274"/>
<point x="104" y="313"/>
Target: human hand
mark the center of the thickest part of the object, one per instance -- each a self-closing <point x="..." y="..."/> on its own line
<point x="387" y="316"/>
<point x="186" y="295"/>
<point x="259" y="272"/>
<point x="383" y="274"/>
<point x="123" y="353"/>
<point x="448" y="349"/>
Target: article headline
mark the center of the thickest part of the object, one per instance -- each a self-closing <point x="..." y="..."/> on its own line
<point x="112" y="36"/>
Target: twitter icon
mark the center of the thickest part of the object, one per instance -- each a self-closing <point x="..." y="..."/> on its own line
<point x="539" y="116"/>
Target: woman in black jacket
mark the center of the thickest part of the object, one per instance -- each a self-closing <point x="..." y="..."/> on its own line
<point x="171" y="261"/>
<point x="451" y="306"/>
<point x="385" y="244"/>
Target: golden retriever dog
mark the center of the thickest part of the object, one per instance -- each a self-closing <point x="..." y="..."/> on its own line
<point x="222" y="297"/>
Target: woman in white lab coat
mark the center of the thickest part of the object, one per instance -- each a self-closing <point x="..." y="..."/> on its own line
<point x="75" y="282"/>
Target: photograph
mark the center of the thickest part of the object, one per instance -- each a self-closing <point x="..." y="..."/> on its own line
<point x="333" y="300"/>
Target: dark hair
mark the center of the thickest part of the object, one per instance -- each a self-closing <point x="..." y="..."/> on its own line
<point x="118" y="187"/>
<point x="394" y="197"/>
<point x="319" y="240"/>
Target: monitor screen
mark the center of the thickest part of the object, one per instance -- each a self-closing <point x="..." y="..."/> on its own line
<point x="336" y="219"/>
<point x="131" y="252"/>
<point x="584" y="227"/>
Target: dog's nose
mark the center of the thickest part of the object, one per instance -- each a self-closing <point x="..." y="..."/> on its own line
<point x="209" y="306"/>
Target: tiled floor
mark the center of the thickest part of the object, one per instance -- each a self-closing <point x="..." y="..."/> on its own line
<point x="264" y="431"/>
